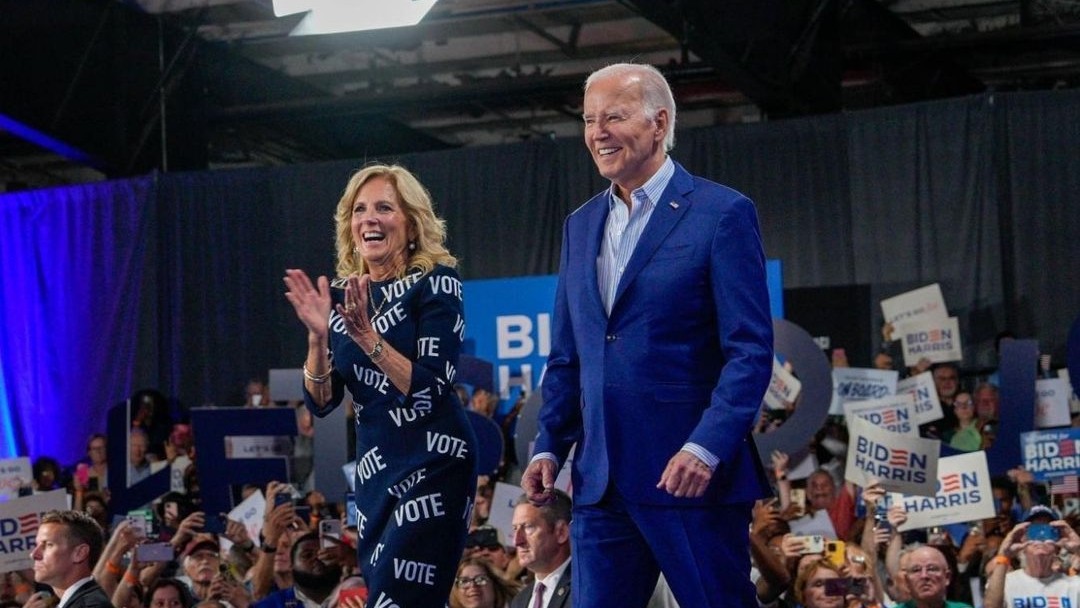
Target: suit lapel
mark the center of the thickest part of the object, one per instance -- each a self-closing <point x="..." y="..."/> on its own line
<point x="594" y="233"/>
<point x="671" y="207"/>
<point x="83" y="593"/>
<point x="562" y="591"/>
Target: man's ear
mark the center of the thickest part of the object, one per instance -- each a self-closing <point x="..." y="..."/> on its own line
<point x="663" y="122"/>
<point x="80" y="554"/>
<point x="562" y="532"/>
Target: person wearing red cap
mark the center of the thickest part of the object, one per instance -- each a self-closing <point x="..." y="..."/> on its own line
<point x="201" y="563"/>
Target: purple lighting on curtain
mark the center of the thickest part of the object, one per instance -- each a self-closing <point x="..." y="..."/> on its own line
<point x="72" y="261"/>
<point x="32" y="135"/>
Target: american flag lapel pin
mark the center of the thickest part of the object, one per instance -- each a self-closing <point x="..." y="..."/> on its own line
<point x="674" y="205"/>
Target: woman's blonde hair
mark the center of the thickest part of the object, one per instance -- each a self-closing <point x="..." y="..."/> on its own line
<point x="807" y="573"/>
<point x="426" y="230"/>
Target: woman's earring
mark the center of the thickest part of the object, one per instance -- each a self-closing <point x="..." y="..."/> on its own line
<point x="356" y="250"/>
<point x="412" y="245"/>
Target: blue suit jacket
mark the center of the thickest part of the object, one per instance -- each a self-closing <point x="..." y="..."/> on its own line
<point x="685" y="355"/>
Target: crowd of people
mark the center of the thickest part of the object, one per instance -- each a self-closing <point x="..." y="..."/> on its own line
<point x="1027" y="550"/>
<point x="658" y="490"/>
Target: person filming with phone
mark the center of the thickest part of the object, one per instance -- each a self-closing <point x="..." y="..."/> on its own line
<point x="1040" y="582"/>
<point x="313" y="578"/>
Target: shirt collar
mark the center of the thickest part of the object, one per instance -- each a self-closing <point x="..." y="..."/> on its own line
<point x="652" y="188"/>
<point x="552" y="579"/>
<point x="70" y="591"/>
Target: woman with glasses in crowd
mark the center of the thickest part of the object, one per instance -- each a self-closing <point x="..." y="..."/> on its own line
<point x="968" y="434"/>
<point x="477" y="585"/>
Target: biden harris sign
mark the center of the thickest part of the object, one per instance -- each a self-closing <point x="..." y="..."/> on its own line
<point x="899" y="461"/>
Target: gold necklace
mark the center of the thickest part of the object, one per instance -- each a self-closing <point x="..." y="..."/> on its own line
<point x="371" y="298"/>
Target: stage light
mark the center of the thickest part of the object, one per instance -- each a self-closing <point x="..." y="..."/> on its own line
<point x="335" y="16"/>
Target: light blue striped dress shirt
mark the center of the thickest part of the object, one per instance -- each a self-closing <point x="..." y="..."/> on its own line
<point x="621" y="234"/>
<point x="624" y="228"/>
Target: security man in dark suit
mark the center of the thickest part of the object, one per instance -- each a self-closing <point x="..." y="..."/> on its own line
<point x="69" y="544"/>
<point x="542" y="538"/>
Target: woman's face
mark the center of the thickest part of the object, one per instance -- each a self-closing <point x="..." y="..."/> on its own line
<point x="380" y="229"/>
<point x="964" y="407"/>
<point x="474" y="588"/>
<point x="96" y="450"/>
<point x="166" y="597"/>
<point x="814" y="594"/>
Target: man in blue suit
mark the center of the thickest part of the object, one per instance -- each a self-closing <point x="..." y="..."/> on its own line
<point x="661" y="352"/>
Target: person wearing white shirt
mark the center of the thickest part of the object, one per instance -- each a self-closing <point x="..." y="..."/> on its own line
<point x="1039" y="582"/>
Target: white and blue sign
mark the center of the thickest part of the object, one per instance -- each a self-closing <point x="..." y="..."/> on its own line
<point x="1050" y="454"/>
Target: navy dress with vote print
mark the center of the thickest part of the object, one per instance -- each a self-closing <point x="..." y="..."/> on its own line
<point x="415" y="456"/>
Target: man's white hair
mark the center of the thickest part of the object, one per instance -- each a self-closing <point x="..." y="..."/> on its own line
<point x="655" y="92"/>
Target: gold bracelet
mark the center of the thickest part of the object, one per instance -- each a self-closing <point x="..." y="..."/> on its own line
<point x="377" y="353"/>
<point x="320" y="379"/>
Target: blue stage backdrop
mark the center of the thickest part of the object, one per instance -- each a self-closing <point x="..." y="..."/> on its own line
<point x="72" y="261"/>
<point x="509" y="323"/>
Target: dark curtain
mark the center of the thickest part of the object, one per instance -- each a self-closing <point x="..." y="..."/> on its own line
<point x="218" y="245"/>
<point x="978" y="194"/>
<point x="1040" y="177"/>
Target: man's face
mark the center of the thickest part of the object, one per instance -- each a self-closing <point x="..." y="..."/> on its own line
<point x="1040" y="554"/>
<point x="56" y="556"/>
<point x="139" y="445"/>
<point x="946" y="381"/>
<point x="820" y="491"/>
<point x="626" y="144"/>
<point x="202" y="564"/>
<point x="257" y="394"/>
<point x="927" y="574"/>
<point x="311" y="573"/>
<point x="1004" y="501"/>
<point x="986" y="404"/>
<point x="307" y="558"/>
<point x="540" y="545"/>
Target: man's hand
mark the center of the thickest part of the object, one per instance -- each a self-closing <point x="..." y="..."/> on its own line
<point x="1067" y="537"/>
<point x="538" y="481"/>
<point x="766" y="515"/>
<point x="236" y="532"/>
<point x="897" y="516"/>
<point x="188" y="528"/>
<point x="685" y="476"/>
<point x="974" y="544"/>
<point x="792" y="546"/>
<point x="1009" y="547"/>
<point x="873" y="494"/>
<point x="42" y="599"/>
